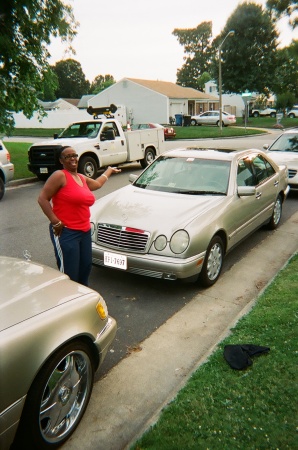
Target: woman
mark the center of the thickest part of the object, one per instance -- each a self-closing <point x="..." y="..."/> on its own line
<point x="66" y="199"/>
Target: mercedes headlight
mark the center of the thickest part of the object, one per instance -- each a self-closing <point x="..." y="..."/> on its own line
<point x="179" y="241"/>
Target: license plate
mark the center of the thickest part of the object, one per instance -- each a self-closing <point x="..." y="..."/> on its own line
<point x="115" y="260"/>
<point x="43" y="170"/>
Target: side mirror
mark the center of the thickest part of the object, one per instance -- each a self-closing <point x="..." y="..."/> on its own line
<point x="265" y="146"/>
<point x="55" y="135"/>
<point x="108" y="135"/>
<point x="246" y="191"/>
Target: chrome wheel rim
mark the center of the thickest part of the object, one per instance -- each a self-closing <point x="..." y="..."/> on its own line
<point x="64" y="396"/>
<point x="277" y="212"/>
<point x="214" y="262"/>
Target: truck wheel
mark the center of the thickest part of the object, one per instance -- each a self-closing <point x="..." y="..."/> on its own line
<point x="256" y="114"/>
<point x="149" y="157"/>
<point x="273" y="114"/>
<point x="88" y="167"/>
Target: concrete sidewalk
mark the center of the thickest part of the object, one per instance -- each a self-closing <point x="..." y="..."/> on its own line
<point x="129" y="399"/>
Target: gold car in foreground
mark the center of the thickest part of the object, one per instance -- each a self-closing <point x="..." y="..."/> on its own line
<point x="54" y="334"/>
<point x="190" y="207"/>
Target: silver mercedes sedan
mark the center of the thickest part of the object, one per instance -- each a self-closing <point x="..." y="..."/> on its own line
<point x="54" y="334"/>
<point x="182" y="215"/>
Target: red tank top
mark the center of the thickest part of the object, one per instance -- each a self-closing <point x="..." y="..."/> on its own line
<point x="72" y="202"/>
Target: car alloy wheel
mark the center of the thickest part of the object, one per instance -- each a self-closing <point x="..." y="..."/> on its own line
<point x="276" y="214"/>
<point x="57" y="398"/>
<point x="213" y="262"/>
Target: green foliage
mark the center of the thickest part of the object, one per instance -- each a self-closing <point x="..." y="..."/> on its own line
<point x="285" y="77"/>
<point x="220" y="408"/>
<point x="249" y="57"/>
<point x="285" y="101"/>
<point x="197" y="46"/>
<point x="282" y="8"/>
<point x="26" y="30"/>
<point x="72" y="82"/>
<point x="101" y="82"/>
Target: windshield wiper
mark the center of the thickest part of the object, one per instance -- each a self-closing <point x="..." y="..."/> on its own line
<point x="201" y="192"/>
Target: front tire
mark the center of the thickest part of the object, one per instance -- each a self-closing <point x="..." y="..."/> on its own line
<point x="291" y="116"/>
<point x="193" y="122"/>
<point x="88" y="167"/>
<point x="273" y="114"/>
<point x="57" y="399"/>
<point x="212" y="263"/>
<point x="149" y="157"/>
<point x="276" y="214"/>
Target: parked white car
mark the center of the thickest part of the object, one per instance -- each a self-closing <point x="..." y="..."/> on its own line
<point x="212" y="118"/>
<point x="6" y="168"/>
<point x="293" y="112"/>
<point x="284" y="150"/>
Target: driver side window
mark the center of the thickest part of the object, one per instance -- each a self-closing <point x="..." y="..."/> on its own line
<point x="245" y="175"/>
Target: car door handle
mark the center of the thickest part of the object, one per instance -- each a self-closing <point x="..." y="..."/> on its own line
<point x="97" y="146"/>
<point x="276" y="183"/>
<point x="258" y="195"/>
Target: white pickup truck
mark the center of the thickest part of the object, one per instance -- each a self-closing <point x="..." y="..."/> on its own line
<point x="99" y="143"/>
<point x="263" y="112"/>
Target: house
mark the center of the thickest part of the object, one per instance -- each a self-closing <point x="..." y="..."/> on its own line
<point x="154" y="100"/>
<point x="59" y="104"/>
<point x="83" y="103"/>
<point x="233" y="103"/>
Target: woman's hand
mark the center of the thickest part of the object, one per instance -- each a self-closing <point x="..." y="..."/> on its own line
<point x="113" y="169"/>
<point x="57" y="228"/>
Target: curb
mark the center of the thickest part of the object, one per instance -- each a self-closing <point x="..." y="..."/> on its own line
<point x="21" y="182"/>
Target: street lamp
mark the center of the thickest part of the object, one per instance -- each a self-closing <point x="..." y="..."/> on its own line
<point x="230" y="33"/>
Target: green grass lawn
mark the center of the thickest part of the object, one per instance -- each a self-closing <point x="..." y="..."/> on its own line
<point x="221" y="408"/>
<point x="19" y="157"/>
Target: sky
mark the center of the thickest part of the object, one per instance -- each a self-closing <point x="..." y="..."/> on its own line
<point x="133" y="38"/>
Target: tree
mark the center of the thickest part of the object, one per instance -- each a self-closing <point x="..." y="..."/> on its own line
<point x="26" y="30"/>
<point x="280" y="8"/>
<point x="101" y="82"/>
<point x="197" y="45"/>
<point x="285" y="101"/>
<point x="72" y="82"/>
<point x="249" y="57"/>
<point x="285" y="77"/>
<point x="49" y="87"/>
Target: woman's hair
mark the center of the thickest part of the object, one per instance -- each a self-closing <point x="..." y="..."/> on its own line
<point x="60" y="150"/>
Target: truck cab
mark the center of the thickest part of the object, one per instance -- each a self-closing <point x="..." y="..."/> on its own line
<point x="99" y="143"/>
